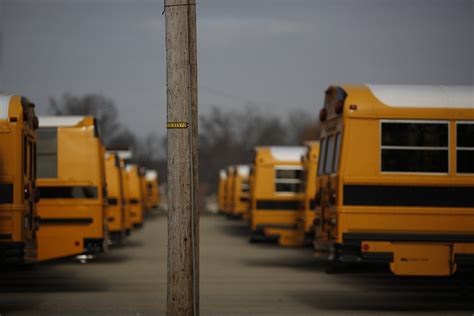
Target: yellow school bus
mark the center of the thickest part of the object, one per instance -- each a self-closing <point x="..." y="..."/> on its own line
<point x="308" y="188"/>
<point x="153" y="198"/>
<point x="18" y="194"/>
<point x="71" y="180"/>
<point x="126" y="196"/>
<point x="396" y="177"/>
<point x="145" y="195"/>
<point x="135" y="195"/>
<point x="229" y="191"/>
<point x="115" y="198"/>
<point x="221" y="191"/>
<point x="276" y="194"/>
<point x="239" y="207"/>
<point x="124" y="157"/>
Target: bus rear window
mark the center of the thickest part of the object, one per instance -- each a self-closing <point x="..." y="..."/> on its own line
<point x="465" y="147"/>
<point x="244" y="186"/>
<point x="415" y="147"/>
<point x="47" y="158"/>
<point x="287" y="179"/>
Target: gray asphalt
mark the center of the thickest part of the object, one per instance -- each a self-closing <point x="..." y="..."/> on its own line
<point x="237" y="278"/>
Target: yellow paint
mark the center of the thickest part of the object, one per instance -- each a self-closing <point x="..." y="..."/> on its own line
<point x="273" y="221"/>
<point x="229" y="191"/>
<point x="177" y="125"/>
<point x="80" y="163"/>
<point x="18" y="220"/>
<point x="309" y="188"/>
<point x="126" y="193"/>
<point x="360" y="164"/>
<point x="115" y="194"/>
<point x="240" y="196"/>
<point x="153" y="194"/>
<point x="136" y="195"/>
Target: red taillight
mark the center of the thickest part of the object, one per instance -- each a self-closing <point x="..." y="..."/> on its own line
<point x="322" y="115"/>
<point x="365" y="247"/>
<point x="338" y="107"/>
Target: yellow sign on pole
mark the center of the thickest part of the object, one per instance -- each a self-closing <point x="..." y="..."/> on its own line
<point x="177" y="125"/>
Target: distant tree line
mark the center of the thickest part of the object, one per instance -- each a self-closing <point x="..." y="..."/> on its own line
<point x="225" y="137"/>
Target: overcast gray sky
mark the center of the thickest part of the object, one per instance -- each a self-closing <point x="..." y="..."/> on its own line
<point x="279" y="55"/>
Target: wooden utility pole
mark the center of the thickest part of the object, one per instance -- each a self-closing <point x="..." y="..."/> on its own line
<point x="182" y="108"/>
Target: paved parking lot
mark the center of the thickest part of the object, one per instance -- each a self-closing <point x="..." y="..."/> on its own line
<point x="237" y="278"/>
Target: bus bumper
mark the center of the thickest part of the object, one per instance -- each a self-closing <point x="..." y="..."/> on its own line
<point x="420" y="255"/>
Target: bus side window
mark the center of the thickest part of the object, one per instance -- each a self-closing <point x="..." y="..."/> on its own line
<point x="329" y="155"/>
<point x="415" y="147"/>
<point x="322" y="157"/>
<point x="337" y="156"/>
<point x="464" y="147"/>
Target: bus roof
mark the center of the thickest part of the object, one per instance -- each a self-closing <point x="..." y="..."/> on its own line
<point x="151" y="175"/>
<point x="62" y="121"/>
<point x="123" y="154"/>
<point x="424" y="96"/>
<point x="415" y="102"/>
<point x="130" y="167"/>
<point x="284" y="153"/>
<point x="4" y="106"/>
<point x="109" y="154"/>
<point x="243" y="170"/>
<point x="222" y="174"/>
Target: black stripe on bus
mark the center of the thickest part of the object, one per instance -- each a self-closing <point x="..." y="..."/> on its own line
<point x="112" y="201"/>
<point x="278" y="205"/>
<point x="356" y="238"/>
<point x="390" y="195"/>
<point x="68" y="192"/>
<point x="5" y="236"/>
<point x="261" y="227"/>
<point x="6" y="193"/>
<point x="66" y="221"/>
